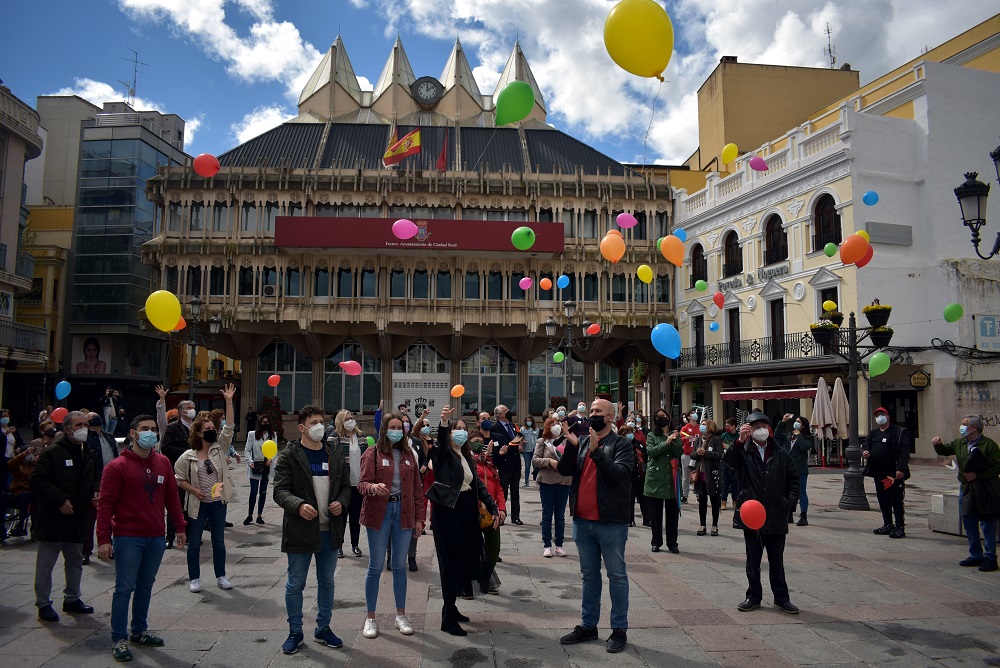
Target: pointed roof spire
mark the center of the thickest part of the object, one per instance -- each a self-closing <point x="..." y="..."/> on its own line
<point x="397" y="70"/>
<point x="457" y="72"/>
<point x="335" y="66"/>
<point x="517" y="69"/>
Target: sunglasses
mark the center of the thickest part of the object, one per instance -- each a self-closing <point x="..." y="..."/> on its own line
<point x="209" y="469"/>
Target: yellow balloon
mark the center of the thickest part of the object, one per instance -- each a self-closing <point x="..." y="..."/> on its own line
<point x="639" y="37"/>
<point x="269" y="449"/>
<point x="163" y="310"/>
<point x="645" y="273"/>
<point x="729" y="153"/>
<point x="864" y="235"/>
<point x="829" y="305"/>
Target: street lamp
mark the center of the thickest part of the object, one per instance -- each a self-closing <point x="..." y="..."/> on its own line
<point x="569" y="340"/>
<point x="194" y="337"/>
<point x="972" y="197"/>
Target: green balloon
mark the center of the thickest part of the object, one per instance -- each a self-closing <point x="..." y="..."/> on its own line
<point x="700" y="285"/>
<point x="658" y="242"/>
<point x="371" y="441"/>
<point x="523" y="238"/>
<point x="514" y="103"/>
<point x="953" y="312"/>
<point x="558" y="357"/>
<point x="878" y="364"/>
<point x="830" y="249"/>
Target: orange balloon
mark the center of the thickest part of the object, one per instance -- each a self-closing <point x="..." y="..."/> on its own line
<point x="853" y="249"/>
<point x="612" y="248"/>
<point x="673" y="250"/>
<point x="617" y="233"/>
<point x="181" y="324"/>
<point x="458" y="391"/>
<point x="545" y="284"/>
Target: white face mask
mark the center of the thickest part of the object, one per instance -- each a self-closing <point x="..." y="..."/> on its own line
<point x="556" y="430"/>
<point x="190" y="413"/>
<point x="798" y="425"/>
<point x="760" y="435"/>
<point x="881" y="419"/>
<point x="316" y="432"/>
<point x="350" y="425"/>
<point x="80" y="435"/>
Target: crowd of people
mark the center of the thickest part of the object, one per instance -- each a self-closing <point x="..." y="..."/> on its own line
<point x="462" y="477"/>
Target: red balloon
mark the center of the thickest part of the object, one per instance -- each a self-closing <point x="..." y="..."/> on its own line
<point x="350" y="367"/>
<point x="206" y="165"/>
<point x="719" y="299"/>
<point x="273" y="380"/>
<point x="867" y="258"/>
<point x="853" y="248"/>
<point x="594" y="329"/>
<point x="59" y="414"/>
<point x="752" y="514"/>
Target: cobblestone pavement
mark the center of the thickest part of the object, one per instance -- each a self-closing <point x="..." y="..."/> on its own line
<point x="866" y="600"/>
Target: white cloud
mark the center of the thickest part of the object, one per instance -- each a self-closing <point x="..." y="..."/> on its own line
<point x="365" y="83"/>
<point x="98" y="92"/>
<point x="259" y="121"/>
<point x="191" y="127"/>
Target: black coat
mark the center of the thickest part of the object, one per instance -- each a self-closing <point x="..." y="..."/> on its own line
<point x="175" y="441"/>
<point x="511" y="462"/>
<point x="710" y="464"/>
<point x="62" y="471"/>
<point x="97" y="452"/>
<point x="449" y="474"/>
<point x="775" y="483"/>
<point x="615" y="461"/>
<point x="889" y="452"/>
<point x="293" y="486"/>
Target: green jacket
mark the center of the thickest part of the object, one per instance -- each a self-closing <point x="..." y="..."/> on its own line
<point x="293" y="486"/>
<point x="960" y="448"/>
<point x="660" y="453"/>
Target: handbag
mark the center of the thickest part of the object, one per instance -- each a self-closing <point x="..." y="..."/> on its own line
<point x="258" y="467"/>
<point x="485" y="518"/>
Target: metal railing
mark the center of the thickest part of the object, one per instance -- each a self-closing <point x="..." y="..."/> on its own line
<point x="733" y="268"/>
<point x="23" y="337"/>
<point x="699" y="272"/>
<point x="775" y="255"/>
<point x="25" y="267"/>
<point x="823" y="238"/>
<point x="799" y="345"/>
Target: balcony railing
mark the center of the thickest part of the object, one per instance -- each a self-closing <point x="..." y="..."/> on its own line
<point x="699" y="272"/>
<point x="826" y="237"/>
<point x="14" y="335"/>
<point x="800" y="345"/>
<point x="732" y="268"/>
<point x="775" y="255"/>
<point x="25" y="267"/>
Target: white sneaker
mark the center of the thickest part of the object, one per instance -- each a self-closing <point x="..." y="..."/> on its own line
<point x="404" y="625"/>
<point x="194" y="585"/>
<point x="224" y="583"/>
<point x="371" y="628"/>
<point x="547" y="552"/>
<point x="559" y="552"/>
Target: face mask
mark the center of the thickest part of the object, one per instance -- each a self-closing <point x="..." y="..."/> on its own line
<point x="760" y="435"/>
<point x="487" y="425"/>
<point x="459" y="437"/>
<point x="425" y="431"/>
<point x="80" y="435"/>
<point x="264" y="427"/>
<point x="630" y="436"/>
<point x="581" y="408"/>
<point x="597" y="423"/>
<point x="210" y="435"/>
<point x="350" y="425"/>
<point x="556" y="429"/>
<point x="4" y="421"/>
<point x="394" y="435"/>
<point x="222" y="424"/>
<point x="95" y="421"/>
<point x="476" y="446"/>
<point x="662" y="422"/>
<point x="190" y="413"/>
<point x="638" y="423"/>
<point x="881" y="420"/>
<point x="316" y="431"/>
<point x="798" y="425"/>
<point x="51" y="433"/>
<point x="529" y="423"/>
<point x="147" y="439"/>
<point x="703" y="429"/>
<point x="963" y="430"/>
<point x="509" y="415"/>
<point x="561" y="414"/>
<point x="630" y="424"/>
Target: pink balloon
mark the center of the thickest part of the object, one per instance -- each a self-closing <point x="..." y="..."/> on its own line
<point x="350" y="367"/>
<point x="404" y="229"/>
<point x="626" y="220"/>
<point x="525" y="283"/>
<point x="757" y="164"/>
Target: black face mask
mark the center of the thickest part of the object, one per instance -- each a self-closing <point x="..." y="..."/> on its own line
<point x="210" y="435"/>
<point x="598" y="423"/>
<point x="51" y="433"/>
<point x="95" y="421"/>
<point x="264" y="426"/>
<point x="662" y="422"/>
<point x="509" y="415"/>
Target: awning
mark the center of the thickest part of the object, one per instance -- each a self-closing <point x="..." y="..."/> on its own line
<point x="770" y="393"/>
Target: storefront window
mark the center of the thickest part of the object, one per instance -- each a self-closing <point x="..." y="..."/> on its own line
<point x="360" y="393"/>
<point x="490" y="378"/>
<point x="548" y="380"/>
<point x="295" y="369"/>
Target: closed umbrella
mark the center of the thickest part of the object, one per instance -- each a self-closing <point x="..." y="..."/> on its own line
<point x="841" y="410"/>
<point x="822" y="415"/>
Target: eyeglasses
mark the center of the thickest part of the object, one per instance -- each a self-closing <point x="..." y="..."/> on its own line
<point x="209" y="469"/>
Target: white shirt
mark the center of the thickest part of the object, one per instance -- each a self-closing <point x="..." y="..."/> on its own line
<point x="354" y="459"/>
<point x="761" y="449"/>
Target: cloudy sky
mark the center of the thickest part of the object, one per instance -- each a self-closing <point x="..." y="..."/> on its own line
<point x="233" y="69"/>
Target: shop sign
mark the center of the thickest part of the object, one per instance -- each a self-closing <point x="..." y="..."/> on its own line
<point x="767" y="273"/>
<point x="919" y="380"/>
<point x="987" y="336"/>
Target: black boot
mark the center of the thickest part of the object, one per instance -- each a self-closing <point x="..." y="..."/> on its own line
<point x="791" y="517"/>
<point x="412" y="564"/>
<point x="449" y="622"/>
<point x="803" y="522"/>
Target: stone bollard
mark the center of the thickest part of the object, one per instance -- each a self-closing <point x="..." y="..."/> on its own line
<point x="945" y="515"/>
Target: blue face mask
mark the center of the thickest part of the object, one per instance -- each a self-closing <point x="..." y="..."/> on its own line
<point x="963" y="430"/>
<point x="4" y="421"/>
<point x="459" y="437"/>
<point x="703" y="429"/>
<point x="222" y="424"/>
<point x="630" y="436"/>
<point x="426" y="431"/>
<point x="487" y="425"/>
<point x="147" y="439"/>
<point x="394" y="435"/>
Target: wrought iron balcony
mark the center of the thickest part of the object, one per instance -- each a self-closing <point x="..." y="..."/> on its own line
<point x="775" y="255"/>
<point x="15" y="336"/>
<point x="733" y="268"/>
<point x="25" y="267"/>
<point x="799" y="345"/>
<point x="826" y="237"/>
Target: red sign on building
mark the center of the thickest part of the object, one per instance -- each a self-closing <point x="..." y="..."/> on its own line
<point x="432" y="235"/>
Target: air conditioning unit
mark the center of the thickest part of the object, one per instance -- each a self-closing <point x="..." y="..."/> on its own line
<point x="270" y="290"/>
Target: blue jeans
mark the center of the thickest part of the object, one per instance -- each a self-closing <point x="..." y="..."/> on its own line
<point x="378" y="543"/>
<point x="298" y="569"/>
<point x="214" y="512"/>
<point x="554" y="499"/>
<point x="527" y="464"/>
<point x="137" y="559"/>
<point x="972" y="525"/>
<point x="595" y="540"/>
<point x="803" y="497"/>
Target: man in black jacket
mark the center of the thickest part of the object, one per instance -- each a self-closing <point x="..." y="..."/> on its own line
<point x="64" y="481"/>
<point x="103" y="448"/>
<point x="600" y="501"/>
<point x="173" y="444"/>
<point x="767" y="474"/>
<point x="507" y="443"/>
<point x="886" y="451"/>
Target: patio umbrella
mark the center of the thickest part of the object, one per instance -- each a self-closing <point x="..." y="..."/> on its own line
<point x="841" y="410"/>
<point x="822" y="415"/>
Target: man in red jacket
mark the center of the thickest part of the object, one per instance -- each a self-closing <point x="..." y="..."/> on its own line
<point x="136" y="488"/>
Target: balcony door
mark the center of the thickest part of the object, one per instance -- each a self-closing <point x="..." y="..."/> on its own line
<point x="733" y="324"/>
<point x="776" y="315"/>
<point x="698" y="338"/>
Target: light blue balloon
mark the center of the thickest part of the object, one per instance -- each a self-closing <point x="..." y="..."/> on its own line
<point x="681" y="234"/>
<point x="63" y="389"/>
<point x="667" y="340"/>
<point x="713" y="326"/>
<point x="563" y="282"/>
<point x="870" y="198"/>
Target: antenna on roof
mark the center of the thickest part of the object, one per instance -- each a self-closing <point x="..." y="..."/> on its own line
<point x="830" y="51"/>
<point x="130" y="86"/>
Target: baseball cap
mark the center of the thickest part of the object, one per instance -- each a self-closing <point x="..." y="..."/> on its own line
<point x="881" y="410"/>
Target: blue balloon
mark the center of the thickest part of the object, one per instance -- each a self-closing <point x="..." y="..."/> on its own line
<point x="870" y="198"/>
<point x="563" y="281"/>
<point x="63" y="389"/>
<point x="713" y="326"/>
<point x="667" y="340"/>
<point x="681" y="234"/>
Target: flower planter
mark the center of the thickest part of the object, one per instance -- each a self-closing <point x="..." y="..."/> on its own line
<point x="878" y="318"/>
<point x="880" y="339"/>
<point x="826" y="339"/>
<point x="837" y="319"/>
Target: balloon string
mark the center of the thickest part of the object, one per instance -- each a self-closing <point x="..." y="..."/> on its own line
<point x="652" y="115"/>
<point x="476" y="163"/>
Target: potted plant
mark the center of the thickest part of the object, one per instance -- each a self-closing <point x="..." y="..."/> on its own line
<point x="877" y="313"/>
<point x="638" y="374"/>
<point x="836" y="317"/>
<point x="880" y="336"/>
<point x="825" y="333"/>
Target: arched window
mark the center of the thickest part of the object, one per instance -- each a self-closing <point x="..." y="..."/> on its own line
<point x="490" y="378"/>
<point x="359" y="393"/>
<point x="733" y="255"/>
<point x="775" y="241"/>
<point x="699" y="266"/>
<point x="826" y="223"/>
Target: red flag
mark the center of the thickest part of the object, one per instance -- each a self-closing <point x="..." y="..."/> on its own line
<point x="442" y="161"/>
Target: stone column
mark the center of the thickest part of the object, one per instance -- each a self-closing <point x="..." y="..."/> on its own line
<point x="248" y="383"/>
<point x="589" y="384"/>
<point x="715" y="388"/>
<point x="522" y="390"/>
<point x="317" y="392"/>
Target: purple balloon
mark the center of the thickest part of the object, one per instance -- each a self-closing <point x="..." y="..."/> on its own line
<point x="757" y="164"/>
<point x="626" y="220"/>
<point x="525" y="283"/>
<point x="404" y="229"/>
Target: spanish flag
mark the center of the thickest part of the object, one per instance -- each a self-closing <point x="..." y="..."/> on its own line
<point x="408" y="145"/>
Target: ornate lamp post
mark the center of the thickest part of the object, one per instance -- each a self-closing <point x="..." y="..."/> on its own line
<point x="569" y="340"/>
<point x="194" y="337"/>
<point x="972" y="196"/>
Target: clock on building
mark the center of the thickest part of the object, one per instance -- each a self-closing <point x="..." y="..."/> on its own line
<point x="426" y="91"/>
